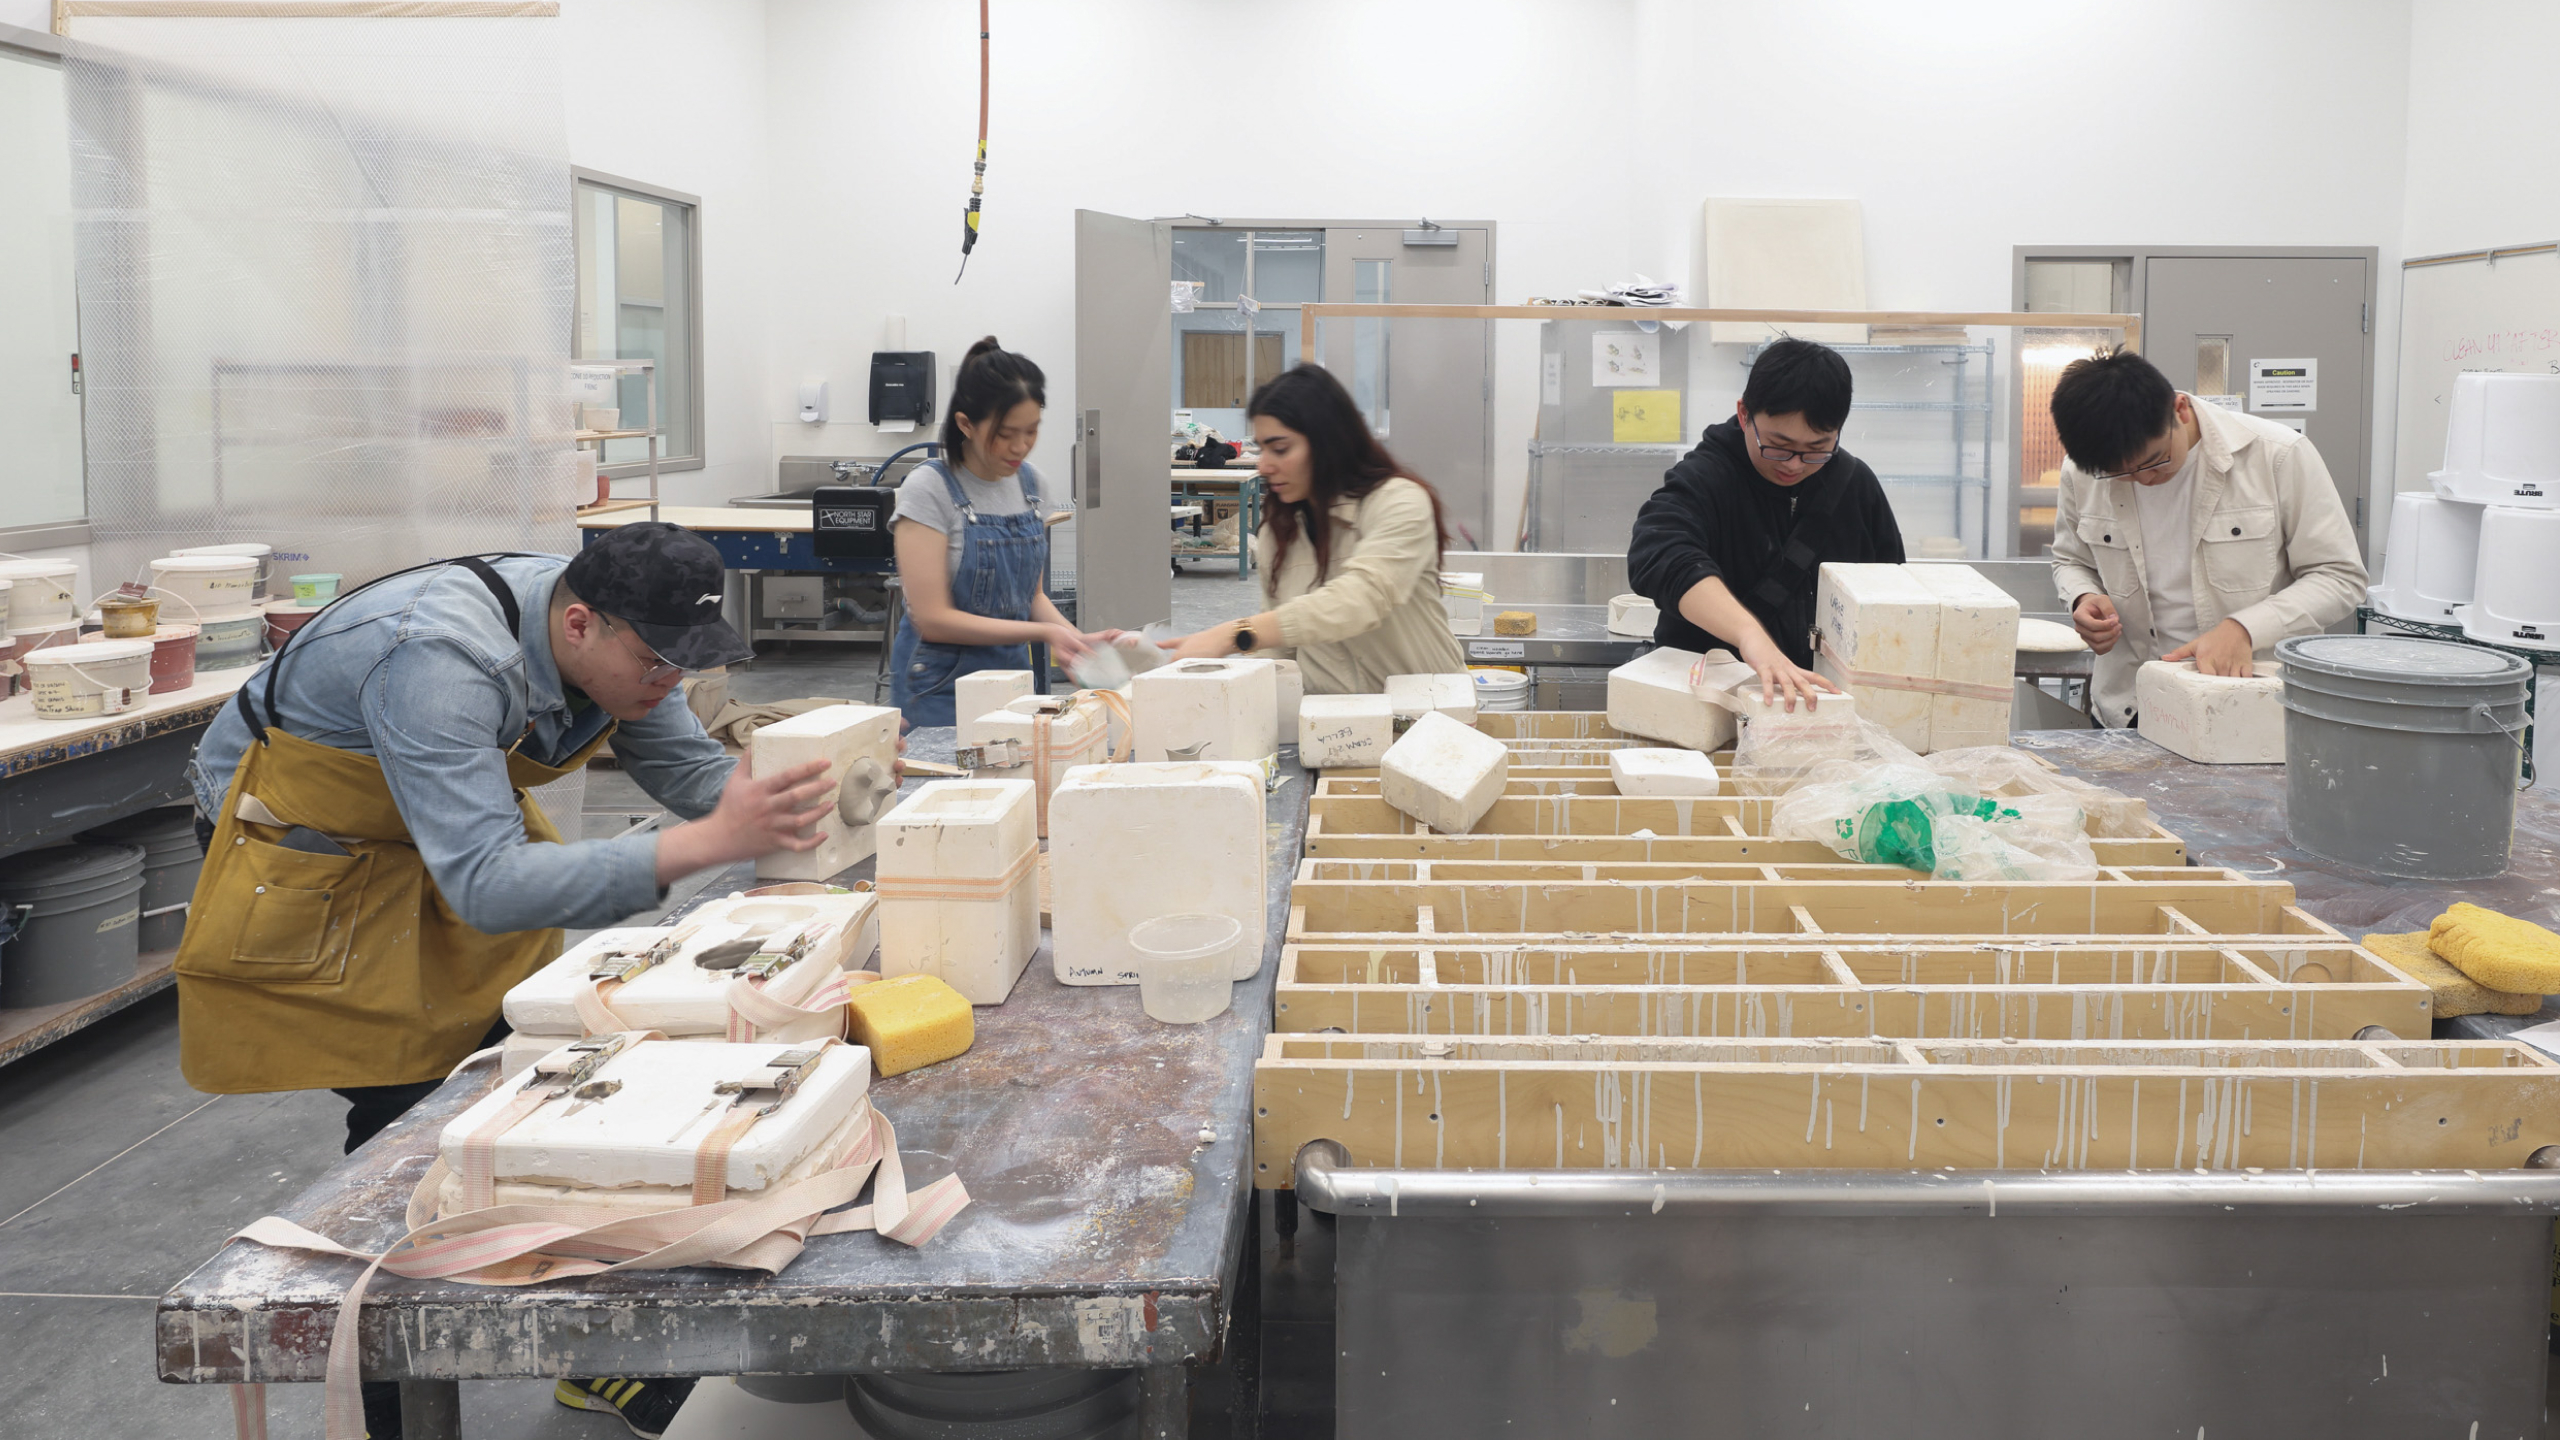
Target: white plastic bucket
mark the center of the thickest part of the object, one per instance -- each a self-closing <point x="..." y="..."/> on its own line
<point x="2502" y="440"/>
<point x="227" y="642"/>
<point x="2431" y="559"/>
<point x="1186" y="965"/>
<point x="211" y="583"/>
<point x="1500" y="689"/>
<point x="23" y="643"/>
<point x="98" y="677"/>
<point x="2518" y="595"/>
<point x="264" y="554"/>
<point x="4" y="611"/>
<point x="40" y="593"/>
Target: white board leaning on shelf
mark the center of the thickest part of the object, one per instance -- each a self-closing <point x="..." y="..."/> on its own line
<point x="2484" y="310"/>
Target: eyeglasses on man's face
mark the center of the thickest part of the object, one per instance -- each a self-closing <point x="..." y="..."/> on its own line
<point x="654" y="670"/>
<point x="2139" y="470"/>
<point x="1781" y="455"/>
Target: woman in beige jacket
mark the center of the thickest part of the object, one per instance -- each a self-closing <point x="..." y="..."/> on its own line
<point x="1349" y="549"/>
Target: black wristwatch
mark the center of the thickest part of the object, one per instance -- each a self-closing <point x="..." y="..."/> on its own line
<point x="1244" y="639"/>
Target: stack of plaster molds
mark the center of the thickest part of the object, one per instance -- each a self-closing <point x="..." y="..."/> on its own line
<point x="1076" y="729"/>
<point x="1134" y="842"/>
<point x="960" y="886"/>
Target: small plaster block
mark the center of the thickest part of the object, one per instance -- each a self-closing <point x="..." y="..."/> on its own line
<point x="1344" y="731"/>
<point x="1208" y="710"/>
<point x="1444" y="774"/>
<point x="974" y="833"/>
<point x="845" y="736"/>
<point x="2212" y="719"/>
<point x="1651" y="696"/>
<point x="1676" y="774"/>
<point x="1777" y="738"/>
<point x="1516" y="622"/>
<point x="1414" y="696"/>
<point x="910" y="1022"/>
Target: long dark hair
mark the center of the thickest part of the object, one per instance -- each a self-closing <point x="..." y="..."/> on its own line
<point x="1344" y="461"/>
<point x="992" y="380"/>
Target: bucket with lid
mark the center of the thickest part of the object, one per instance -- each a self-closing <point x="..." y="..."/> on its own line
<point x="210" y="584"/>
<point x="173" y="658"/>
<point x="40" y="593"/>
<point x="2401" y="755"/>
<point x="2502" y="440"/>
<point x="1186" y="964"/>
<point x="227" y="642"/>
<point x="2429" y="561"/>
<point x="94" y="677"/>
<point x="283" y="618"/>
<point x="265" y="555"/>
<point x="4" y="612"/>
<point x="128" y="617"/>
<point x="1498" y="689"/>
<point x="2517" y="598"/>
<point x="170" y="859"/>
<point x="73" y="910"/>
<point x="23" y="643"/>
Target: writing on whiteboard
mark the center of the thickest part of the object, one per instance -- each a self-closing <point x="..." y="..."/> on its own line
<point x="2522" y="341"/>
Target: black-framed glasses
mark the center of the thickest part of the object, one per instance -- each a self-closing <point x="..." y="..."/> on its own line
<point x="654" y="667"/>
<point x="2136" y="470"/>
<point x="1780" y="455"/>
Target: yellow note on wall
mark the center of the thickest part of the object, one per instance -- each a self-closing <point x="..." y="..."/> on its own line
<point x="1646" y="417"/>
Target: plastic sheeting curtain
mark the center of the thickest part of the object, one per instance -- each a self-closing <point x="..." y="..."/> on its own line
<point x="326" y="286"/>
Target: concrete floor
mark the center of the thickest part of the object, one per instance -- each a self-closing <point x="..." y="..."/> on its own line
<point x="118" y="1179"/>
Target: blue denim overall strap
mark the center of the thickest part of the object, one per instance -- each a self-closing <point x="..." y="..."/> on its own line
<point x="1001" y="560"/>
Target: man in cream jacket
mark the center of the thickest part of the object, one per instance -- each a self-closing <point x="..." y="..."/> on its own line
<point x="2187" y="531"/>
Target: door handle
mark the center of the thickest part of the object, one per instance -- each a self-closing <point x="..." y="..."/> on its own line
<point x="1089" y="453"/>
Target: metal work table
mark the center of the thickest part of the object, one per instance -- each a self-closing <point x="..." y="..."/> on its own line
<point x="1104" y="1230"/>
<point x="60" y="777"/>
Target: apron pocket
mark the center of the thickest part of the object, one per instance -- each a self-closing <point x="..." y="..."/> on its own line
<point x="291" y="914"/>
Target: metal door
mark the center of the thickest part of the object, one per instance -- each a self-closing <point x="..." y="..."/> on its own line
<point x="1427" y="386"/>
<point x="2207" y="314"/>
<point x="1124" y="370"/>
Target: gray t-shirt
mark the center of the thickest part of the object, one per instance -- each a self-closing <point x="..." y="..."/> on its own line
<point x="923" y="498"/>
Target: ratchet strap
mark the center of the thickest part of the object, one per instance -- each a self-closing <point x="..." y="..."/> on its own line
<point x="984" y="887"/>
<point x="1924" y="684"/>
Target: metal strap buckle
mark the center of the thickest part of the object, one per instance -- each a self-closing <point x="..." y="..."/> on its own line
<point x="1001" y="754"/>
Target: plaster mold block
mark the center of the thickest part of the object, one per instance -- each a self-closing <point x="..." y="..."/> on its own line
<point x="960" y="886"/>
<point x="1444" y="774"/>
<point x="1414" y="696"/>
<point x="1674" y="773"/>
<point x="1208" y="710"/>
<point x="1134" y="842"/>
<point x="802" y="941"/>
<point x="981" y="691"/>
<point x="1653" y="696"/>
<point x="1344" y="731"/>
<point x="2213" y="719"/>
<point x="1291" y="683"/>
<point x="1079" y="734"/>
<point x="1771" y="739"/>
<point x="630" y="1138"/>
<point x="1879" y="624"/>
<point x="860" y="745"/>
<point x="1977" y="646"/>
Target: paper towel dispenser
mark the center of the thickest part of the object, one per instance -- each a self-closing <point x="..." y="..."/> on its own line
<point x="902" y="387"/>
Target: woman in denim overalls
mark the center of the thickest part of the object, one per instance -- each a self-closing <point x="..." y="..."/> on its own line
<point x="984" y="609"/>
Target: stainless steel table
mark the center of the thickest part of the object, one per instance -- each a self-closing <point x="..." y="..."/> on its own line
<point x="1105" y="1230"/>
<point x="1567" y="635"/>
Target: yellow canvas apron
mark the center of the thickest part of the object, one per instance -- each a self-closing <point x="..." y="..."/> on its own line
<point x="308" y="972"/>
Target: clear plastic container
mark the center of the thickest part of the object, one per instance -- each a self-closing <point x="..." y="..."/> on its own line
<point x="1184" y="965"/>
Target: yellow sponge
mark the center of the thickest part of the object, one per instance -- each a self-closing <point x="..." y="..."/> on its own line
<point x="2456" y="993"/>
<point x="1516" y="622"/>
<point x="911" y="1021"/>
<point x="2499" y="951"/>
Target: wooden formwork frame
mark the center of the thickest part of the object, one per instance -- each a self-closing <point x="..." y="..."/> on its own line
<point x="1931" y="1105"/>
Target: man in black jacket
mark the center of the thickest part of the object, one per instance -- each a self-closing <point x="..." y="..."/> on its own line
<point x="1729" y="547"/>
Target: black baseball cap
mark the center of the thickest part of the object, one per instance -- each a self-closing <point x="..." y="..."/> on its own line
<point x="664" y="582"/>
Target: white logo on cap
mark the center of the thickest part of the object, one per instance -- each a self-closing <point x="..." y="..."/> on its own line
<point x="712" y="598"/>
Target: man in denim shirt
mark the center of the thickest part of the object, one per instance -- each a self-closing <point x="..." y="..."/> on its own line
<point x="374" y="880"/>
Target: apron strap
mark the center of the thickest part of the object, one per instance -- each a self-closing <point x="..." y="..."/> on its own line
<point x="478" y="564"/>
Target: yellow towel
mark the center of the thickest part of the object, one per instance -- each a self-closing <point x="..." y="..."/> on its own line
<point x="2499" y="951"/>
<point x="2456" y="993"/>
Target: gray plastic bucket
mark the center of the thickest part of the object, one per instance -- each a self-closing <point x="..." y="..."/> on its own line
<point x="75" y="907"/>
<point x="170" y="859"/>
<point x="2401" y="755"/>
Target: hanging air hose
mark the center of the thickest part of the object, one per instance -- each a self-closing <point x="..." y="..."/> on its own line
<point x="978" y="182"/>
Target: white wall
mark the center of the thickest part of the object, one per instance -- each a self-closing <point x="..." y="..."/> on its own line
<point x="1588" y="131"/>
<point x="2483" y="156"/>
<point x="673" y="93"/>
